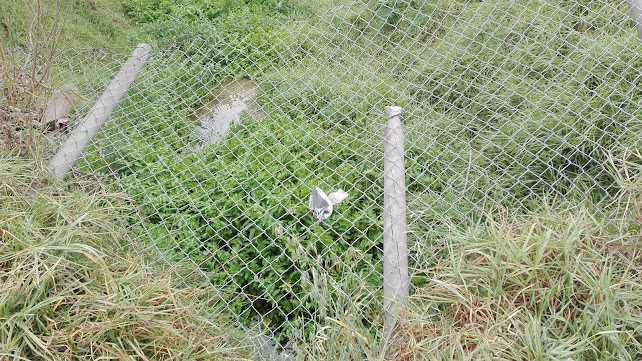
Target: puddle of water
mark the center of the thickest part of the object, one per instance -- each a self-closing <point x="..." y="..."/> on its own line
<point x="215" y="118"/>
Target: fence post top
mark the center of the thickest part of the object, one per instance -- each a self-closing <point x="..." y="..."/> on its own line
<point x="142" y="49"/>
<point x="393" y="111"/>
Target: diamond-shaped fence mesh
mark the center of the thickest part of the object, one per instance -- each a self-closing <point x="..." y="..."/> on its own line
<point x="510" y="107"/>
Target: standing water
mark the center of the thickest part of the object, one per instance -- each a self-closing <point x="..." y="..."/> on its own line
<point x="215" y="118"/>
<point x="213" y="122"/>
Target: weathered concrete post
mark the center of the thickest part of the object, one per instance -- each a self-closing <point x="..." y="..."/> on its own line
<point x="636" y="13"/>
<point x="72" y="149"/>
<point x="395" y="248"/>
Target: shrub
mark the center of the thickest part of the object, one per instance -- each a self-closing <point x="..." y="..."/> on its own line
<point x="154" y="11"/>
<point x="238" y="208"/>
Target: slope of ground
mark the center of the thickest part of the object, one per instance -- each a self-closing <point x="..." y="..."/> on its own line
<point x="90" y="24"/>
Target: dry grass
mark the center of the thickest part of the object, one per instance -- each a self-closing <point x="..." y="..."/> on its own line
<point x="67" y="293"/>
<point x="556" y="286"/>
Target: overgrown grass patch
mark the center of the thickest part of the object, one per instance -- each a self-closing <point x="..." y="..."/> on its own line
<point x="509" y="105"/>
<point x="557" y="285"/>
<point x="68" y="291"/>
<point x="90" y="24"/>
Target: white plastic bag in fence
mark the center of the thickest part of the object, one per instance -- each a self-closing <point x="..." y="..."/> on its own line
<point x="321" y="204"/>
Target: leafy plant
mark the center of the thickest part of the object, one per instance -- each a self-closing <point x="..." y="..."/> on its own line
<point x="238" y="208"/>
<point x="143" y="11"/>
<point x="512" y="107"/>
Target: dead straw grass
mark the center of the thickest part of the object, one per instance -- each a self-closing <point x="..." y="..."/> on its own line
<point x="558" y="285"/>
<point x="67" y="293"/>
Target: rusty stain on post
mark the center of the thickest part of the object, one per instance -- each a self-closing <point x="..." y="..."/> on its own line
<point x="61" y="163"/>
<point x="396" y="280"/>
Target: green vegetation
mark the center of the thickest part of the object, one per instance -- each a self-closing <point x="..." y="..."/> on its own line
<point x="560" y="285"/>
<point x="89" y="24"/>
<point x="143" y="11"/>
<point x="69" y="292"/>
<point x="511" y="108"/>
<point x="212" y="204"/>
<point x="262" y="232"/>
<point x="501" y="114"/>
<point x="533" y="100"/>
<point x="39" y="52"/>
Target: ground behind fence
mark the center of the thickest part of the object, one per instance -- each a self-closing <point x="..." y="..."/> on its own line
<point x="510" y="107"/>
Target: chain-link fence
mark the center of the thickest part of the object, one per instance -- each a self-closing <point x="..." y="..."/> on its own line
<point x="510" y="107"/>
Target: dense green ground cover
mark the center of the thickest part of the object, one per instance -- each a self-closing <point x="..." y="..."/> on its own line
<point x="510" y="104"/>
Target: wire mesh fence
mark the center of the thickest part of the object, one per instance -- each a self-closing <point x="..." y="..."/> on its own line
<point x="510" y="107"/>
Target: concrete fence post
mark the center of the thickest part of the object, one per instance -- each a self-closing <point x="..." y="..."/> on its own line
<point x="67" y="156"/>
<point x="636" y="13"/>
<point x="395" y="248"/>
